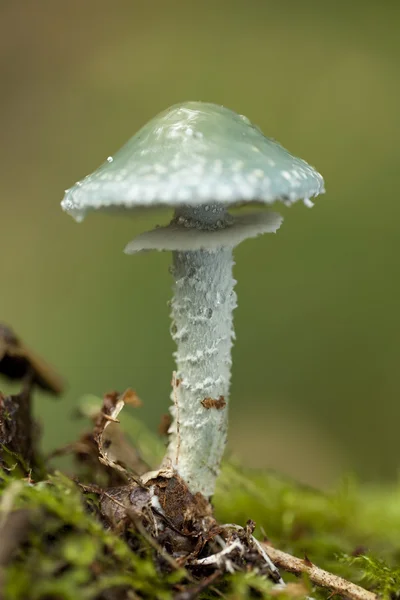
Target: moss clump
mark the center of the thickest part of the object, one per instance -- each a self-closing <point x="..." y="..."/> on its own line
<point x="352" y="532"/>
<point x="56" y="543"/>
<point x="68" y="553"/>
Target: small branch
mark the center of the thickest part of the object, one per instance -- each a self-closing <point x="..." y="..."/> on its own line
<point x="274" y="571"/>
<point x="318" y="576"/>
<point x="217" y="558"/>
<point x="273" y="568"/>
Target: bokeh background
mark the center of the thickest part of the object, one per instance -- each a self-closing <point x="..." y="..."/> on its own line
<point x="316" y="365"/>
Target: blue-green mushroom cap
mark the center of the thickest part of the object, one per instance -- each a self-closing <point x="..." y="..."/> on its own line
<point x="193" y="154"/>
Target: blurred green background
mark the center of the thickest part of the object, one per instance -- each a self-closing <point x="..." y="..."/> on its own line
<point x="316" y="364"/>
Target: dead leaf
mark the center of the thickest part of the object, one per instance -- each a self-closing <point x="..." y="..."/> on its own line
<point x="86" y="453"/>
<point x="115" y="451"/>
<point x="131" y="398"/>
<point x="17" y="361"/>
<point x="182" y="508"/>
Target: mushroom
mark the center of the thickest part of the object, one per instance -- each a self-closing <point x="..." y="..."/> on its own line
<point x="200" y="159"/>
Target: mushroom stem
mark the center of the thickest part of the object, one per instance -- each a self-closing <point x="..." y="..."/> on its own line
<point x="202" y="328"/>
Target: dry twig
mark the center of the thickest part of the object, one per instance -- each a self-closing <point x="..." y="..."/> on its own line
<point x="217" y="559"/>
<point x="274" y="571"/>
<point x="338" y="585"/>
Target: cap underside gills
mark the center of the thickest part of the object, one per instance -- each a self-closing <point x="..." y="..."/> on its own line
<point x="175" y="237"/>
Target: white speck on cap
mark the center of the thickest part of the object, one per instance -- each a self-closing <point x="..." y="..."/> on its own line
<point x="309" y="203"/>
<point x="195" y="153"/>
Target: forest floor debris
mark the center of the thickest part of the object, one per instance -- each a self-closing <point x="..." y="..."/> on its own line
<point x="115" y="529"/>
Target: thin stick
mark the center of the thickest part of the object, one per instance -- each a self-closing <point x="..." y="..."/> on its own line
<point x="216" y="558"/>
<point x="318" y="576"/>
<point x="274" y="571"/>
<point x="273" y="568"/>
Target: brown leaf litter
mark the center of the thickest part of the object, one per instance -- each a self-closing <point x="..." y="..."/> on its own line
<point x="17" y="361"/>
<point x="154" y="508"/>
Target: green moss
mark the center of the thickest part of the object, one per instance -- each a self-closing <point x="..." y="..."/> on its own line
<point x="343" y="531"/>
<point x="68" y="553"/>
